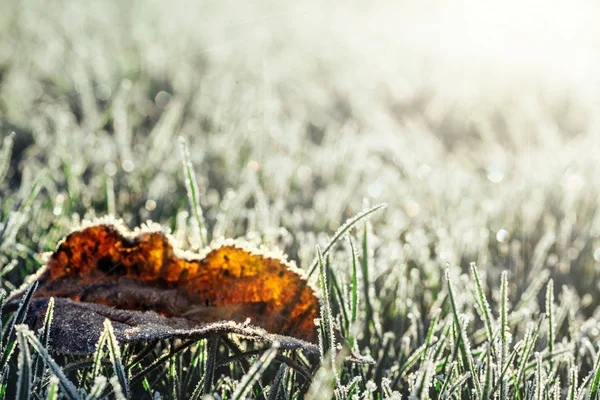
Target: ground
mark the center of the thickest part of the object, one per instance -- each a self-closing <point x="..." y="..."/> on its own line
<point x="479" y="278"/>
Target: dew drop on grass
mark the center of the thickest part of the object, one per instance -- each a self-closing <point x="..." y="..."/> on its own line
<point x="563" y="268"/>
<point x="162" y="99"/>
<point x="212" y="196"/>
<point x="128" y="165"/>
<point x="103" y="92"/>
<point x="552" y="260"/>
<point x="126" y="84"/>
<point x="412" y="208"/>
<point x="495" y="173"/>
<point x="574" y="182"/>
<point x="110" y="168"/>
<point x="150" y="205"/>
<point x="502" y="236"/>
<point x="597" y="254"/>
<point x="58" y="204"/>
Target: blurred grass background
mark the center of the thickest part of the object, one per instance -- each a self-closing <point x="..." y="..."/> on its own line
<point x="478" y="126"/>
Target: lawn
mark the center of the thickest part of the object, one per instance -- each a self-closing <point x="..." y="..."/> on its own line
<point x="435" y="178"/>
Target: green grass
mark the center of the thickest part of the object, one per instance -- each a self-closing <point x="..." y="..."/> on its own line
<point x="478" y="280"/>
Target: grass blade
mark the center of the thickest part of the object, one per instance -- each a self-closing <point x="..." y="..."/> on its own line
<point x="487" y="380"/>
<point x="255" y="372"/>
<point x="483" y="304"/>
<point x="573" y="383"/>
<point x="211" y="362"/>
<point x="342" y="230"/>
<point x="191" y="185"/>
<point x="5" y="153"/>
<point x="337" y="295"/>
<point x="100" y="383"/>
<point x="416" y="355"/>
<point x="114" y="352"/>
<point x="539" y="378"/>
<point x="425" y="374"/>
<point x="18" y="318"/>
<point x="326" y="326"/>
<point x="528" y="348"/>
<point x="25" y="375"/>
<point x="2" y="302"/>
<point x="550" y="314"/>
<point x="52" y="391"/>
<point x="596" y="382"/>
<point x="456" y="386"/>
<point x="463" y="341"/>
<point x="174" y="378"/>
<point x="99" y="354"/>
<point x="276" y="385"/>
<point x="67" y="386"/>
<point x="3" y="381"/>
<point x="117" y="388"/>
<point x="354" y="288"/>
<point x="503" y="329"/>
<point x="44" y="337"/>
<point x="366" y="284"/>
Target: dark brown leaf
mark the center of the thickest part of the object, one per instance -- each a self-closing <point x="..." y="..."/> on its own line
<point x="150" y="290"/>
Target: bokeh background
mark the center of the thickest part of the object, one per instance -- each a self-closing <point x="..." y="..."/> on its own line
<point x="477" y="123"/>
